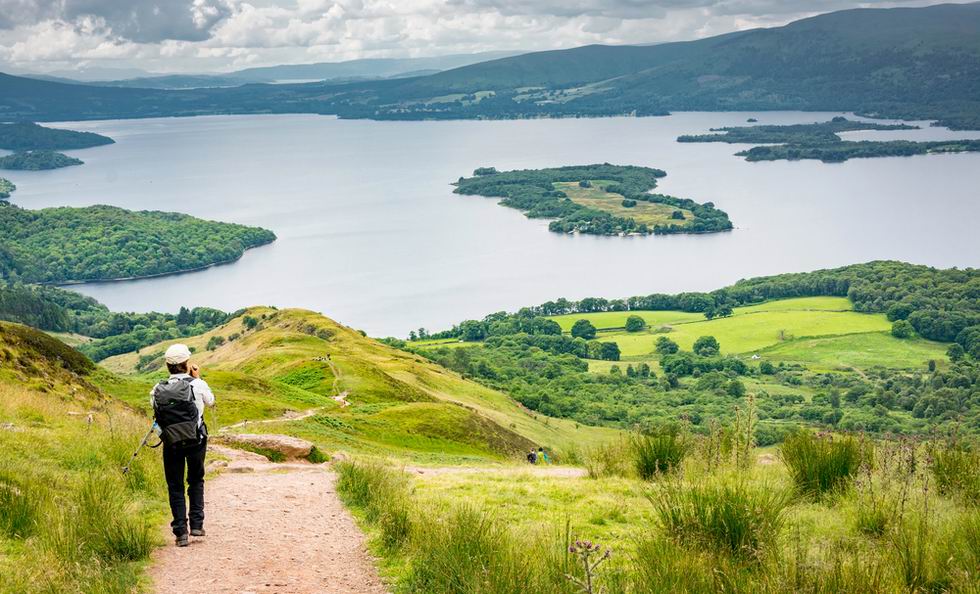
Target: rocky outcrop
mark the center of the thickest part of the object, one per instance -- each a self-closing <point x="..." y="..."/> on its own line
<point x="290" y="448"/>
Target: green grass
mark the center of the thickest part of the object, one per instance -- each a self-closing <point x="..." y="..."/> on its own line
<point x="651" y="213"/>
<point x="402" y="405"/>
<point x="70" y="520"/>
<point x="821" y="464"/>
<point x="819" y="331"/>
<point x="859" y="350"/>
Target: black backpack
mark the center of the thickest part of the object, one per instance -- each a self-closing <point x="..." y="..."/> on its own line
<point x="175" y="411"/>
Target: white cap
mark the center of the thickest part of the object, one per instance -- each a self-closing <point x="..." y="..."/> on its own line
<point x="177" y="353"/>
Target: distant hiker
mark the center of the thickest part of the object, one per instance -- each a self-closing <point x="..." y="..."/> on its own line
<point x="178" y="408"/>
<point x="532" y="457"/>
<point x="543" y="456"/>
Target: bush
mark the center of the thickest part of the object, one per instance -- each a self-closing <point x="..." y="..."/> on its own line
<point x="820" y="464"/>
<point x="583" y="329"/>
<point x="726" y="517"/>
<point x="659" y="452"/>
<point x="902" y="329"/>
<point x="635" y="324"/>
<point x="706" y="346"/>
<point x="666" y="346"/>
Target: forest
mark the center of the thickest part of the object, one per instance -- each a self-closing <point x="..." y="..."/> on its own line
<point x="37" y="161"/>
<point x="113" y="243"/>
<point x="534" y="193"/>
<point x="7" y="187"/>
<point x="58" y="310"/>
<point x="28" y="136"/>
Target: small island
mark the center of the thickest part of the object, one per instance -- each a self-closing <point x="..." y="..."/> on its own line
<point x="7" y="187"/>
<point x="822" y="141"/>
<point x="28" y="136"/>
<point x="600" y="199"/>
<point x="101" y="243"/>
<point x="37" y="161"/>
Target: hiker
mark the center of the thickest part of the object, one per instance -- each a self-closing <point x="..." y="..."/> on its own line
<point x="178" y="407"/>
<point x="532" y="457"/>
<point x="543" y="456"/>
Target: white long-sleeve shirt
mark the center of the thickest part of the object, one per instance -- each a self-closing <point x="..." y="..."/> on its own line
<point x="203" y="396"/>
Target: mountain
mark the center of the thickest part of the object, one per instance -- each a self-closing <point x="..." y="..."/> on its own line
<point x="899" y="62"/>
<point x="337" y="71"/>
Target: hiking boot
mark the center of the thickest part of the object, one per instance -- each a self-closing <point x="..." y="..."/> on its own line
<point x="197" y="532"/>
<point x="183" y="541"/>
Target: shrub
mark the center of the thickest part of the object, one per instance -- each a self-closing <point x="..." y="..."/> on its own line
<point x="658" y="452"/>
<point x="820" y="464"/>
<point x="902" y="329"/>
<point x="635" y="324"/>
<point x="666" y="346"/>
<point x="706" y="346"/>
<point x="726" y="517"/>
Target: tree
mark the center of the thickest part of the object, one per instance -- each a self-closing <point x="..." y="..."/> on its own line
<point x="643" y="370"/>
<point x="666" y="346"/>
<point x="184" y="317"/>
<point x="677" y="215"/>
<point x="767" y="368"/>
<point x="635" y="324"/>
<point x="250" y="322"/>
<point x="215" y="342"/>
<point x="610" y="351"/>
<point x="473" y="331"/>
<point x="735" y="389"/>
<point x="583" y="329"/>
<point x="706" y="346"/>
<point x="955" y="352"/>
<point x="902" y="329"/>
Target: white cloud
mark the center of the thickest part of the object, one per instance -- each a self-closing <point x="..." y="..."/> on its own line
<point x="208" y="35"/>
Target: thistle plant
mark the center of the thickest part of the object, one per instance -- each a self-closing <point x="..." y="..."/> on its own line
<point x="591" y="556"/>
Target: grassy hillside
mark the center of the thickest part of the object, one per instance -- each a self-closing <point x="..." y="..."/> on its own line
<point x="70" y="521"/>
<point x="400" y="404"/>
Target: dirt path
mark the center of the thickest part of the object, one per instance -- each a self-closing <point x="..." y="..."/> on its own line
<point x="272" y="528"/>
<point x="516" y="471"/>
<point x="289" y="415"/>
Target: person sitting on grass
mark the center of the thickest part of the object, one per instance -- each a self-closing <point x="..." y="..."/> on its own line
<point x="178" y="406"/>
<point x="532" y="457"/>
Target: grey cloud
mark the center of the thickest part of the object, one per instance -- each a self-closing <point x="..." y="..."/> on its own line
<point x="639" y="9"/>
<point x="142" y="21"/>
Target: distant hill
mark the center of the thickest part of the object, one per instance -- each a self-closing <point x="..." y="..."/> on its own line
<point x="899" y="62"/>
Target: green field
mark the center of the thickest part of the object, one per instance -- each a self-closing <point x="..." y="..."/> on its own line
<point x="822" y="331"/>
<point x="651" y="213"/>
<point x="859" y="350"/>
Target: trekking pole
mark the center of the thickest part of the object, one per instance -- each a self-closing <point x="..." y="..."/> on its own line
<point x="146" y="438"/>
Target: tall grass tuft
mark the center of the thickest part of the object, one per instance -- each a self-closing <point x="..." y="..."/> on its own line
<point x="659" y="452"/>
<point x="821" y="464"/>
<point x="20" y="505"/>
<point x="723" y="516"/>
<point x="469" y="552"/>
<point x="384" y="496"/>
<point x="955" y="467"/>
<point x="608" y="460"/>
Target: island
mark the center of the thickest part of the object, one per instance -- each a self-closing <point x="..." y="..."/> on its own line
<point x="6" y="188"/>
<point x="822" y="141"/>
<point x="837" y="152"/>
<point x="28" y="136"/>
<point x="792" y="133"/>
<point x="37" y="161"/>
<point x="101" y="243"/>
<point x="599" y="199"/>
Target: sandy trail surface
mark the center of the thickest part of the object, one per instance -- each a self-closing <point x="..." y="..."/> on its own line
<point x="271" y="528"/>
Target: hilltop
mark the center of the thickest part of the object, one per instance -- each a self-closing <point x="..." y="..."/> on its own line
<point x="361" y="395"/>
<point x="919" y="63"/>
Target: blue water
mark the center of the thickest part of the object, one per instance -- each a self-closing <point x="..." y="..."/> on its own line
<point x="371" y="234"/>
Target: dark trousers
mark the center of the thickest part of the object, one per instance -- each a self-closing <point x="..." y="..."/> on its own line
<point x="174" y="461"/>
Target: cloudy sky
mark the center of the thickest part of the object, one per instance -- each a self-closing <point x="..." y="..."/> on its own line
<point x="223" y="35"/>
